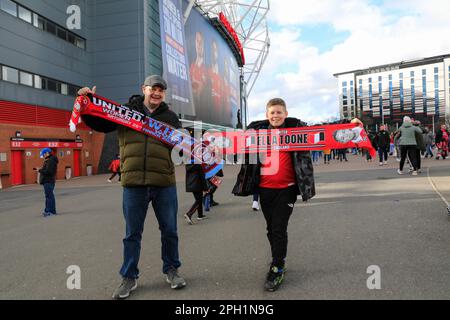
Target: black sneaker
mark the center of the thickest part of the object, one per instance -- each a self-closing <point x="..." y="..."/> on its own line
<point x="126" y="287"/>
<point x="213" y="203"/>
<point x="274" y="278"/>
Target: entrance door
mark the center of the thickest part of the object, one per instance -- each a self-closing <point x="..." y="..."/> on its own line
<point x="76" y="163"/>
<point x="17" y="167"/>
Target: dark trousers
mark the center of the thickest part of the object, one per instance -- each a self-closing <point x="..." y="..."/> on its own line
<point x="115" y="174"/>
<point x="277" y="206"/>
<point x="418" y="159"/>
<point x="198" y="204"/>
<point x="383" y="153"/>
<point x="50" y="202"/>
<point x="409" y="151"/>
<point x="135" y="205"/>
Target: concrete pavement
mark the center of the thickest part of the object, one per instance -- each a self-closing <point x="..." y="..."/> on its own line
<point x="363" y="215"/>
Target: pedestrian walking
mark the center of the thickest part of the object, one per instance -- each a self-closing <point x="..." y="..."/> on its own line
<point x="382" y="141"/>
<point x="428" y="141"/>
<point x="420" y="146"/>
<point x="195" y="183"/>
<point x="408" y="144"/>
<point x="114" y="167"/>
<point x="442" y="140"/>
<point x="326" y="156"/>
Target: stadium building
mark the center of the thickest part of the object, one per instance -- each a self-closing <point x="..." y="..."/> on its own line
<point x="385" y="94"/>
<point x="49" y="49"/>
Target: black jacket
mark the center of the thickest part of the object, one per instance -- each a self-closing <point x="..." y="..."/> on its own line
<point x="248" y="178"/>
<point x="195" y="178"/>
<point x="47" y="174"/>
<point x="382" y="139"/>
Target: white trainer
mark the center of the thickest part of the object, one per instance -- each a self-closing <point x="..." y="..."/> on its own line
<point x="255" y="206"/>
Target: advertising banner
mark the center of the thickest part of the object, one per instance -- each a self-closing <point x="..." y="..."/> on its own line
<point x="175" y="60"/>
<point x="214" y="73"/>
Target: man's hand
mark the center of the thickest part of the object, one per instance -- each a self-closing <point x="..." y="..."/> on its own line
<point x="85" y="91"/>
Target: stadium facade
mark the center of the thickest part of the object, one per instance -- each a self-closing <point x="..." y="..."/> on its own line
<point x="45" y="58"/>
<point x="385" y="94"/>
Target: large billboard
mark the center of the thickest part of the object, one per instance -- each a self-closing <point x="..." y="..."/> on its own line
<point x="214" y="73"/>
<point x="175" y="60"/>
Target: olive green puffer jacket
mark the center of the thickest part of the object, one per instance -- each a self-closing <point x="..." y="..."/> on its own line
<point x="144" y="161"/>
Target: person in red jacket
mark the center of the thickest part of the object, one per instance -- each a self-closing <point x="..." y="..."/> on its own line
<point x="114" y="167"/>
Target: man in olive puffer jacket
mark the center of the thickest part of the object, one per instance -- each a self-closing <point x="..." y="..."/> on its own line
<point x="148" y="175"/>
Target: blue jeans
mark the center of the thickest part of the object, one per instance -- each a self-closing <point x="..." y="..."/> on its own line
<point x="50" y="202"/>
<point x="135" y="205"/>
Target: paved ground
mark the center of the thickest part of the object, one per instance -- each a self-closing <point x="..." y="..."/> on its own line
<point x="363" y="215"/>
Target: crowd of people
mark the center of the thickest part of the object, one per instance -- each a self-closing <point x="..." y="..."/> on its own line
<point x="408" y="144"/>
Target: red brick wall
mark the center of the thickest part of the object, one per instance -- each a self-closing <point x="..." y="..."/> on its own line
<point x="90" y="152"/>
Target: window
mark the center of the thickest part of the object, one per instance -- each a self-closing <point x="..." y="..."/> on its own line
<point x="344" y="84"/>
<point x="62" y="34"/>
<point x="51" y="85"/>
<point x="72" y="90"/>
<point x="9" y="7"/>
<point x="64" y="89"/>
<point x="37" y="82"/>
<point x="412" y="74"/>
<point x="26" y="78"/>
<point x="33" y="80"/>
<point x="436" y="70"/>
<point x="80" y="43"/>
<point x="380" y="79"/>
<point x="42" y="23"/>
<point x="39" y="22"/>
<point x="50" y="27"/>
<point x="71" y="38"/>
<point x="424" y="72"/>
<point x="25" y="14"/>
<point x="10" y="74"/>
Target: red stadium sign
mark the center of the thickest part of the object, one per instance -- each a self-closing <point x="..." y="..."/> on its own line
<point x="31" y="144"/>
<point x="233" y="34"/>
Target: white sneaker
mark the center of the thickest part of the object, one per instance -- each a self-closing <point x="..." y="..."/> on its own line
<point x="381" y="163"/>
<point x="385" y="162"/>
<point x="255" y="206"/>
<point x="109" y="180"/>
<point x="399" y="171"/>
<point x="414" y="173"/>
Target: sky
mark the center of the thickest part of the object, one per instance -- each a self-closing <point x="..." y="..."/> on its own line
<point x="312" y="40"/>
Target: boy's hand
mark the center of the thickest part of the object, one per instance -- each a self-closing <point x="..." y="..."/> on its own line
<point x="85" y="91"/>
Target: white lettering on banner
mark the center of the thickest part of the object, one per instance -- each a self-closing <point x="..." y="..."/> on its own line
<point x="73" y="22"/>
<point x="176" y="68"/>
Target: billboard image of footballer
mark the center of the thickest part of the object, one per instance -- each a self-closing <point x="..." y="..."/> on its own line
<point x="214" y="73"/>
